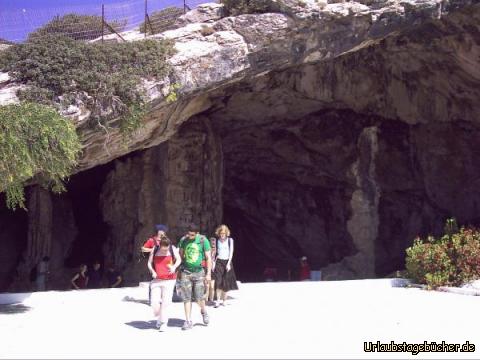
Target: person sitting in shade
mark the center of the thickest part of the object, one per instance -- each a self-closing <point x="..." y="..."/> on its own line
<point x="80" y="279"/>
<point x="270" y="273"/>
<point x="95" y="276"/>
<point x="114" y="278"/>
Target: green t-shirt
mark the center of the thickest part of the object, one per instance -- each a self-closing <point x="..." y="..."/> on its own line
<point x="193" y="254"/>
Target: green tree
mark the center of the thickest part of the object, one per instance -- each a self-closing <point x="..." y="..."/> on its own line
<point x="34" y="141"/>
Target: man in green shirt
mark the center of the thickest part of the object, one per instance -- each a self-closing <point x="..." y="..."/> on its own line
<point x="194" y="248"/>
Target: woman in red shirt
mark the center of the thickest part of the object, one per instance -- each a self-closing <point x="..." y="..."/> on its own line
<point x="163" y="263"/>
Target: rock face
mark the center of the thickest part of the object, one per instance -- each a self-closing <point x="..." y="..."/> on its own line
<point x="339" y="131"/>
<point x="177" y="183"/>
<point x="239" y="48"/>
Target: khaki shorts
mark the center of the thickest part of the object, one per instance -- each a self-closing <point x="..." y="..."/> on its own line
<point x="191" y="286"/>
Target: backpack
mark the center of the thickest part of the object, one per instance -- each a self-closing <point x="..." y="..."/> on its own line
<point x="155" y="249"/>
<point x="33" y="274"/>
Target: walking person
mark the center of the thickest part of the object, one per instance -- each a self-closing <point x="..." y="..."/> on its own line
<point x="80" y="279"/>
<point x="161" y="231"/>
<point x="210" y="293"/>
<point x="225" y="279"/>
<point x="193" y="249"/>
<point x="154" y="240"/>
<point x="162" y="263"/>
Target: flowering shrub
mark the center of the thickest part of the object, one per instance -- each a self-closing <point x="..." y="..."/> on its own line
<point x="450" y="260"/>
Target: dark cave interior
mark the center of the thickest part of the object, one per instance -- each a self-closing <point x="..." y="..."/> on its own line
<point x="84" y="190"/>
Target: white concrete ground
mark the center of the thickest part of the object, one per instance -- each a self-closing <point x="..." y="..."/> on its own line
<point x="264" y="320"/>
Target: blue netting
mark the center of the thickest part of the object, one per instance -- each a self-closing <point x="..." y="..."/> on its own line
<point x="17" y="21"/>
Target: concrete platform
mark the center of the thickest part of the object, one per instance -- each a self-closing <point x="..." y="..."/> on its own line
<point x="264" y="320"/>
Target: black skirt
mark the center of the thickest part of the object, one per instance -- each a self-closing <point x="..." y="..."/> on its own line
<point x="224" y="280"/>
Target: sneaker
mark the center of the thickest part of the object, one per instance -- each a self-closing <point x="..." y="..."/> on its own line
<point x="187" y="325"/>
<point x="216" y="304"/>
<point x="159" y="325"/>
<point x="206" y="318"/>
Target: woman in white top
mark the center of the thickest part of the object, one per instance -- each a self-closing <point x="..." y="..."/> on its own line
<point x="225" y="279"/>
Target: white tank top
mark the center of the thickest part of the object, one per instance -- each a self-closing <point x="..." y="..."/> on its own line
<point x="223" y="250"/>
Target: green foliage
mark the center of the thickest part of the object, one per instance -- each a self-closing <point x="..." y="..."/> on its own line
<point x="132" y="120"/>
<point x="238" y="7"/>
<point x="34" y="141"/>
<point x="77" y="27"/>
<point x="162" y="20"/>
<point x="452" y="259"/>
<point x="173" y="96"/>
<point x="110" y="73"/>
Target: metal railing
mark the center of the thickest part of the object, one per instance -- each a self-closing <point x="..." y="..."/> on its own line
<point x="89" y="22"/>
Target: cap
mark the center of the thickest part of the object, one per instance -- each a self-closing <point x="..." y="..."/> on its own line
<point x="161" y="227"/>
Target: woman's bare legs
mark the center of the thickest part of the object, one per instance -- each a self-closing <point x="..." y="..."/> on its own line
<point x="211" y="291"/>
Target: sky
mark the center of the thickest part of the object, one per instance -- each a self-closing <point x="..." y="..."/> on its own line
<point x="20" y="17"/>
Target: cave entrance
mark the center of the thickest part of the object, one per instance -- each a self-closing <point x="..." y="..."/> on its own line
<point x="287" y="191"/>
<point x="84" y="191"/>
<point x="13" y="241"/>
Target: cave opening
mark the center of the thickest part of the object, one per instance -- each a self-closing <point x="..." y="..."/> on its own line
<point x="84" y="191"/>
<point x="285" y="196"/>
<point x="13" y="238"/>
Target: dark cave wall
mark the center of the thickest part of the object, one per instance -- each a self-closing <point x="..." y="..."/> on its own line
<point x="321" y="187"/>
<point x="13" y="241"/>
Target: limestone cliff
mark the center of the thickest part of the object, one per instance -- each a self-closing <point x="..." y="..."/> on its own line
<point x="335" y="130"/>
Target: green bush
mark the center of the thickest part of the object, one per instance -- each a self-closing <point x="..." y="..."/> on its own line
<point x="77" y="27"/>
<point x="110" y="73"/>
<point x="162" y="20"/>
<point x="450" y="260"/>
<point x="238" y="7"/>
<point x="34" y="141"/>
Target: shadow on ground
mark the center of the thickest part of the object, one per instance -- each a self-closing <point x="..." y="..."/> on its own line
<point x="138" y="301"/>
<point x="148" y="325"/>
<point x="14" y="309"/>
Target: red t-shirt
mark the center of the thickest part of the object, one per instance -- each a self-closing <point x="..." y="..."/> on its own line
<point x="150" y="243"/>
<point x="161" y="265"/>
<point x="304" y="272"/>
